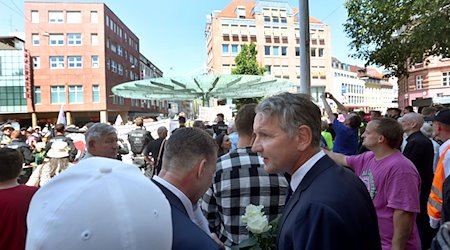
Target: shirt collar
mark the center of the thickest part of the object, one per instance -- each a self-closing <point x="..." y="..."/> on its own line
<point x="184" y="199"/>
<point x="444" y="146"/>
<point x="298" y="175"/>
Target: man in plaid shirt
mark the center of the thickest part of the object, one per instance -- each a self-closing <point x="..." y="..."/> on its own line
<point x="240" y="180"/>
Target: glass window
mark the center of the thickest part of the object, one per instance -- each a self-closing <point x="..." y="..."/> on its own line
<point x="55" y="16"/>
<point x="35" y="16"/>
<point x="35" y="39"/>
<point x="313" y="52"/>
<point x="73" y="16"/>
<point x="56" y="40"/>
<point x="57" y="94"/>
<point x="114" y="67"/>
<point x="283" y="20"/>
<point x="320" y="52"/>
<point x="419" y="82"/>
<point x="57" y="62"/>
<point x="266" y="18"/>
<point x="74" y="62"/>
<point x="234" y="49"/>
<point x="120" y="69"/>
<point x="297" y="51"/>
<point x="267" y="50"/>
<point x="94" y="39"/>
<point x="284" y="51"/>
<point x="74" y="39"/>
<point x="95" y="93"/>
<point x="119" y="50"/>
<point x="276" y="51"/>
<point x="76" y="94"/>
<point x="225" y="49"/>
<point x="446" y="79"/>
<point x="94" y="17"/>
<point x="37" y="95"/>
<point x="36" y="62"/>
<point x="275" y="19"/>
<point x="94" y="62"/>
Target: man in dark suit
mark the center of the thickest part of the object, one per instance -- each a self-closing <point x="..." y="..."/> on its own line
<point x="188" y="165"/>
<point x="419" y="149"/>
<point x="330" y="207"/>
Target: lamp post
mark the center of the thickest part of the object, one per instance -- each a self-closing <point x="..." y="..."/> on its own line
<point x="305" y="65"/>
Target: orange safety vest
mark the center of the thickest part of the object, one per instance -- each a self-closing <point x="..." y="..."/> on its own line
<point x="434" y="206"/>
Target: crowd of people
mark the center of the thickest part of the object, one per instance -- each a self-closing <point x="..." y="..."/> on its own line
<point x="347" y="180"/>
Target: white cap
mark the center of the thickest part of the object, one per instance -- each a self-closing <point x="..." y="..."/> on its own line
<point x="99" y="203"/>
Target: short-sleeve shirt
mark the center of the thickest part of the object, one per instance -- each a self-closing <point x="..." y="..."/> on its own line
<point x="346" y="140"/>
<point x="14" y="204"/>
<point x="393" y="184"/>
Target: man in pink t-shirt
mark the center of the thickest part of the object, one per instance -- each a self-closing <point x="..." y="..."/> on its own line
<point x="392" y="181"/>
<point x="14" y="201"/>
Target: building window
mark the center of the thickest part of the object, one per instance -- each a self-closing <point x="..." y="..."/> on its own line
<point x="225" y="49"/>
<point x="267" y="50"/>
<point x="76" y="94"/>
<point x="266" y="18"/>
<point x="419" y="82"/>
<point x="35" y="16"/>
<point x="35" y="39"/>
<point x="75" y="62"/>
<point x="119" y="50"/>
<point x="446" y="79"/>
<point x="120" y="69"/>
<point x="36" y="62"/>
<point x="276" y="51"/>
<point x="57" y="62"/>
<point x="284" y="51"/>
<point x="37" y="95"/>
<point x="297" y="51"/>
<point x="73" y="16"/>
<point x="234" y="49"/>
<point x="320" y="52"/>
<point x="275" y="19"/>
<point x="268" y="69"/>
<point x="283" y="20"/>
<point x="57" y="94"/>
<point x="94" y="62"/>
<point x="114" y="66"/>
<point x="55" y="17"/>
<point x="94" y="39"/>
<point x="94" y="17"/>
<point x="56" y="40"/>
<point x="95" y="94"/>
<point x="313" y="52"/>
<point x="74" y="39"/>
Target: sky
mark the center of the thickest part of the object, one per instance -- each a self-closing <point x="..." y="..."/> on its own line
<point x="171" y="32"/>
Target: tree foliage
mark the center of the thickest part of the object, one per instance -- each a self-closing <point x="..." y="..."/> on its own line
<point x="246" y="64"/>
<point x="398" y="33"/>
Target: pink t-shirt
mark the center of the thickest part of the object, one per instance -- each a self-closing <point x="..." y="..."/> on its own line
<point x="393" y="184"/>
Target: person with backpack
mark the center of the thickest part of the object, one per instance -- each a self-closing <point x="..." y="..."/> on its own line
<point x="138" y="139"/>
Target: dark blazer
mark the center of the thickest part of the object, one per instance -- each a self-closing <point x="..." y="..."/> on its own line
<point x="186" y="234"/>
<point x="330" y="209"/>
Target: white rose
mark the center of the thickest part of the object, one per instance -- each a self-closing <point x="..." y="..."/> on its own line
<point x="255" y="219"/>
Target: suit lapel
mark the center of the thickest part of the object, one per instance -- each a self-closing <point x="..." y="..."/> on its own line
<point x="321" y="165"/>
<point x="172" y="198"/>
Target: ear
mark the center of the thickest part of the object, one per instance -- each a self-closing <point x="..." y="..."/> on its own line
<point x="304" y="137"/>
<point x="201" y="167"/>
<point x="91" y="143"/>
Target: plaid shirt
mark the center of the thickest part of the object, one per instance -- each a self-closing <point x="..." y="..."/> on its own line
<point x="240" y="180"/>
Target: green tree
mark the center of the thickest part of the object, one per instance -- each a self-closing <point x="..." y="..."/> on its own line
<point x="246" y="64"/>
<point x="398" y="33"/>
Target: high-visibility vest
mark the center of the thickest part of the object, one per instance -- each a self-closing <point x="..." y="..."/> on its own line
<point x="434" y="206"/>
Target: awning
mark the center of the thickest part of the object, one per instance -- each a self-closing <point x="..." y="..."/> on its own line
<point x="204" y="87"/>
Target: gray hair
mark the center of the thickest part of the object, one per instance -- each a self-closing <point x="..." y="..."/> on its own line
<point x="185" y="147"/>
<point x="427" y="130"/>
<point x="413" y="117"/>
<point x="97" y="131"/>
<point x="292" y="111"/>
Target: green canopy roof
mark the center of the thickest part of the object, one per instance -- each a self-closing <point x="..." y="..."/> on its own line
<point x="203" y="86"/>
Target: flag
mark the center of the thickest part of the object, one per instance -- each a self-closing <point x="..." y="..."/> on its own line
<point x="62" y="116"/>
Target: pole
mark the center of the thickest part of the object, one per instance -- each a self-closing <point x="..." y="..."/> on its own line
<point x="305" y="64"/>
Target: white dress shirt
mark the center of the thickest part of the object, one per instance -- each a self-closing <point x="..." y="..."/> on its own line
<point x="298" y="175"/>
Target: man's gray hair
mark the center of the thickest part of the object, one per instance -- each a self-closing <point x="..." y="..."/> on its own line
<point x="292" y="111"/>
<point x="413" y="117"/>
<point x="97" y="131"/>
